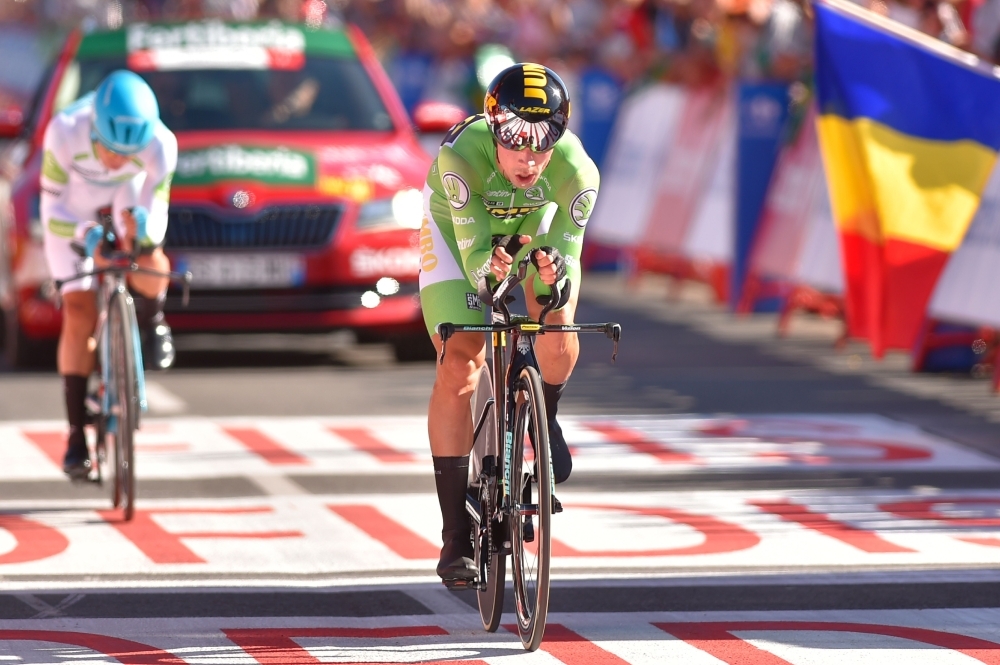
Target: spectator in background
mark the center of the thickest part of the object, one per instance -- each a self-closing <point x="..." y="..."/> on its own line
<point x="284" y="10"/>
<point x="986" y="30"/>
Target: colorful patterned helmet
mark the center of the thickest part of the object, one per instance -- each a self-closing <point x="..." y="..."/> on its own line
<point x="527" y="106"/>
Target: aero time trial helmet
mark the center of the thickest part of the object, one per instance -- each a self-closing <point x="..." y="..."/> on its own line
<point x="527" y="106"/>
<point x="125" y="112"/>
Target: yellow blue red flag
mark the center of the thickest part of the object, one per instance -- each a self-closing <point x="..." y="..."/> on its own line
<point x="909" y="128"/>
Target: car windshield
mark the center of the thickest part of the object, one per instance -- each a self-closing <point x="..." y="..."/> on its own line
<point x="324" y="94"/>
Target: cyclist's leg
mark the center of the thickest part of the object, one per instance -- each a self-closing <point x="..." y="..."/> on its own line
<point x="446" y="296"/>
<point x="148" y="292"/>
<point x="75" y="357"/>
<point x="557" y="354"/>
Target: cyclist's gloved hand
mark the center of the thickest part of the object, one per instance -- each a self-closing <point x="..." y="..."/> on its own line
<point x="559" y="265"/>
<point x="510" y="244"/>
<point x="502" y="261"/>
<point x="92" y="240"/>
<point x="140" y="215"/>
<point x="558" y="262"/>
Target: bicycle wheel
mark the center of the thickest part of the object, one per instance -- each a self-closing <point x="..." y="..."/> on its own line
<point x="532" y="543"/>
<point x="487" y="534"/>
<point x="124" y="398"/>
<point x="103" y="464"/>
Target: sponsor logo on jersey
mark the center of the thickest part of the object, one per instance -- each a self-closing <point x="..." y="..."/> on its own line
<point x="497" y="193"/>
<point x="463" y="221"/>
<point x="534" y="194"/>
<point x="516" y="211"/>
<point x="482" y="271"/>
<point x="569" y="237"/>
<point x="456" y="189"/>
<point x="428" y="260"/>
<point x="472" y="302"/>
<point x="582" y="206"/>
<point x="466" y="243"/>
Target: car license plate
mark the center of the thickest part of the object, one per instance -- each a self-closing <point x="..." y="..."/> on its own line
<point x="235" y="271"/>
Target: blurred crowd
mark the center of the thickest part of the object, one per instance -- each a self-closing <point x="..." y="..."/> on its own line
<point x="442" y="49"/>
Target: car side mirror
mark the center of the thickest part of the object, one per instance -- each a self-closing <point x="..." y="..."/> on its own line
<point x="11" y="121"/>
<point x="437" y="117"/>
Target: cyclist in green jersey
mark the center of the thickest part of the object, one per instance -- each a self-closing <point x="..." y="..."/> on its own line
<point x="510" y="182"/>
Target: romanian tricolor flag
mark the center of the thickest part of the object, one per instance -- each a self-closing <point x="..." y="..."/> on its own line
<point x="909" y="128"/>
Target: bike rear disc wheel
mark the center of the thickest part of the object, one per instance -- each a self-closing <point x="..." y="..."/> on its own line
<point x="531" y="519"/>
<point x="124" y="399"/>
<point x="487" y="537"/>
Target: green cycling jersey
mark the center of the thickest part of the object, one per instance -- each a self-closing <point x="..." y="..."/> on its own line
<point x="468" y="187"/>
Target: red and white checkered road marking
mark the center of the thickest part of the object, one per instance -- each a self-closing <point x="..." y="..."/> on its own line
<point x="938" y="637"/>
<point x="202" y="447"/>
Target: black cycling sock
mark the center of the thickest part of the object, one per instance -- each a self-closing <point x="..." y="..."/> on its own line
<point x="75" y="393"/>
<point x="552" y="394"/>
<point x="562" y="460"/>
<point x="148" y="311"/>
<point x="451" y="476"/>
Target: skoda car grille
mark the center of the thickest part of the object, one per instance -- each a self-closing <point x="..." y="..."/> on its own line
<point x="285" y="226"/>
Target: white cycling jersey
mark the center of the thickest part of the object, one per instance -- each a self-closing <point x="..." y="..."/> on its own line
<point x="75" y="185"/>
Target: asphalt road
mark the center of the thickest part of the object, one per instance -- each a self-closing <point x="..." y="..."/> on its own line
<point x="735" y="496"/>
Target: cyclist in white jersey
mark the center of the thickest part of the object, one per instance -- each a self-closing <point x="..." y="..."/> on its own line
<point x="108" y="153"/>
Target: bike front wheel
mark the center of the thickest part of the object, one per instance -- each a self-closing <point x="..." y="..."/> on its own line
<point x="531" y="519"/>
<point x="491" y="559"/>
<point x="124" y="399"/>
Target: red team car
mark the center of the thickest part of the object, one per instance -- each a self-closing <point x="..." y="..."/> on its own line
<point x="297" y="193"/>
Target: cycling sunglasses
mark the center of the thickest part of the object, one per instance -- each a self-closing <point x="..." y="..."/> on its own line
<point x="518" y="134"/>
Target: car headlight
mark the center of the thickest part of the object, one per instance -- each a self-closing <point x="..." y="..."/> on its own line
<point x="404" y="210"/>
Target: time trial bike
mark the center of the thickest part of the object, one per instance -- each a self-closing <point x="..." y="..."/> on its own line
<point x="120" y="398"/>
<point x="511" y="485"/>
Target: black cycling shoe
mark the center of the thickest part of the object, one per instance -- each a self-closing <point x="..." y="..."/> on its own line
<point x="158" y="350"/>
<point x="76" y="463"/>
<point x="456" y="563"/>
<point x="562" y="460"/>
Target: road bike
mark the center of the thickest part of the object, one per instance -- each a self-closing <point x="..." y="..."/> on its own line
<point x="511" y="486"/>
<point x="120" y="398"/>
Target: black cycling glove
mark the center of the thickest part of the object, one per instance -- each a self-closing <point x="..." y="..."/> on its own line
<point x="559" y="263"/>
<point x="511" y="244"/>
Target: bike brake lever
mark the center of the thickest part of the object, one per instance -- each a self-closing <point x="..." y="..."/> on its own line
<point x="186" y="297"/>
<point x="614" y="332"/>
<point x="445" y="331"/>
<point x="50" y="291"/>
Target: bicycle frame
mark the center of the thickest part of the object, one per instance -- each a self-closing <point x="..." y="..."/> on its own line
<point x="507" y="360"/>
<point x="112" y="282"/>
